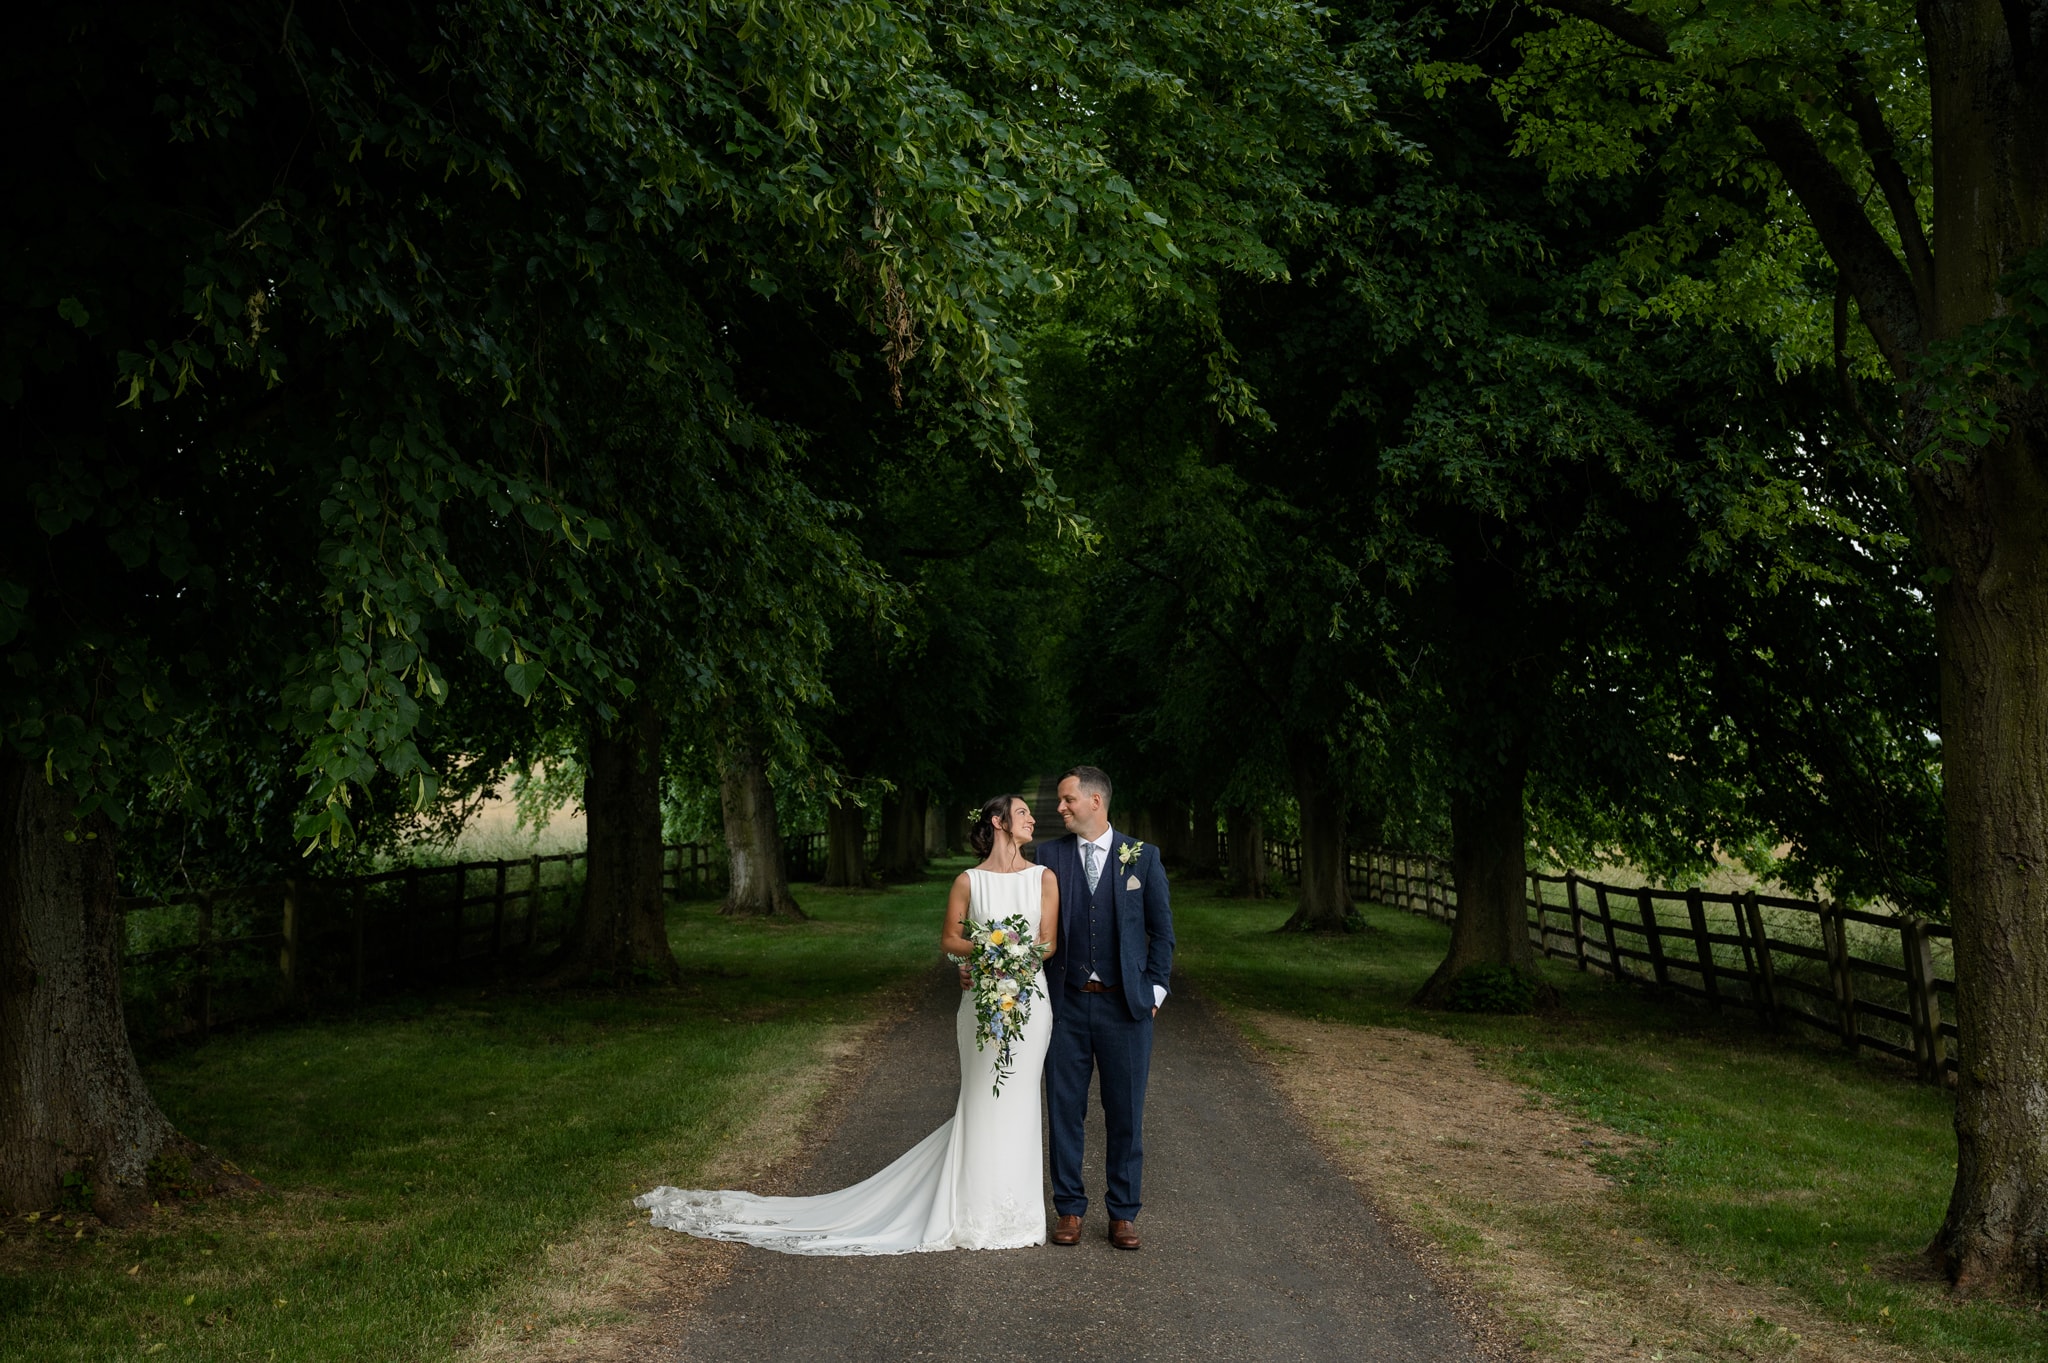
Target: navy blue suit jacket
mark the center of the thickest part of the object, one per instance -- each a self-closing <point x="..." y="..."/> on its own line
<point x="1144" y="920"/>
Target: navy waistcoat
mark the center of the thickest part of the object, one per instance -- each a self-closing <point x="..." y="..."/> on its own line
<point x="1093" y="946"/>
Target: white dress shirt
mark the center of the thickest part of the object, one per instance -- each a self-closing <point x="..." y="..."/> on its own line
<point x="1102" y="846"/>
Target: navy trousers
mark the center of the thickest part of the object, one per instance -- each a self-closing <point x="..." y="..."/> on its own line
<point x="1090" y="1033"/>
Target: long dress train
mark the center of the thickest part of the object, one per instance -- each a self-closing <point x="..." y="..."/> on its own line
<point x="975" y="1183"/>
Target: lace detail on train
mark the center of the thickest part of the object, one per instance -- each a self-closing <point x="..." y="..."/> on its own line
<point x="972" y="1184"/>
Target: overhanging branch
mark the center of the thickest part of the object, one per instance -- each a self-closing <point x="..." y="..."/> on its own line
<point x="1891" y="306"/>
<point x="1883" y="152"/>
<point x="1883" y="290"/>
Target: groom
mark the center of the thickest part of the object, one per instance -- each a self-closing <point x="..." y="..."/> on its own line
<point x="1106" y="984"/>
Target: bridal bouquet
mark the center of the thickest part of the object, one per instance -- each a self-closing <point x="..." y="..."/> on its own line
<point x="1003" y="961"/>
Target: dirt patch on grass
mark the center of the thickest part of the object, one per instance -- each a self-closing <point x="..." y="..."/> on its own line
<point x="622" y="1290"/>
<point x="1509" y="1188"/>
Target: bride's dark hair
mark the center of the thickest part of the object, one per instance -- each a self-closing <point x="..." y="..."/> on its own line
<point x="982" y="837"/>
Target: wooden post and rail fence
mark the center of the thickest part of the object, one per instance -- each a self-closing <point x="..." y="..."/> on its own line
<point x="1873" y="981"/>
<point x="234" y="953"/>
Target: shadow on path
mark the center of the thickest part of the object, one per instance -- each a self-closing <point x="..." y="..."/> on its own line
<point x="1255" y="1248"/>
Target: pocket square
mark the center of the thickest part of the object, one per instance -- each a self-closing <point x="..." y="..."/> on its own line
<point x="1132" y="884"/>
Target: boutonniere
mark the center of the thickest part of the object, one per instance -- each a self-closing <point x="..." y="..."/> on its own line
<point x="1127" y="855"/>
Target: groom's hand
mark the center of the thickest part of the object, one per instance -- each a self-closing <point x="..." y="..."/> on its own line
<point x="1155" y="1012"/>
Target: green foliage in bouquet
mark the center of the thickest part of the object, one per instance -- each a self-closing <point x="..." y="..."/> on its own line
<point x="1002" y="967"/>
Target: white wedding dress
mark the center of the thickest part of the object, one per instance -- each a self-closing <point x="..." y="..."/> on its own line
<point x="975" y="1183"/>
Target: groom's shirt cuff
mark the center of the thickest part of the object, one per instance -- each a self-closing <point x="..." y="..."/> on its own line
<point x="1158" y="995"/>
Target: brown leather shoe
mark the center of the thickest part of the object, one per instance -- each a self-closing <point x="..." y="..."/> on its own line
<point x="1123" y="1234"/>
<point x="1067" y="1231"/>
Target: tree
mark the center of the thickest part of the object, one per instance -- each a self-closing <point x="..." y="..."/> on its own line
<point x="81" y="1108"/>
<point x="1906" y="144"/>
<point x="757" y="882"/>
<point x="1220" y="654"/>
<point x="294" y="381"/>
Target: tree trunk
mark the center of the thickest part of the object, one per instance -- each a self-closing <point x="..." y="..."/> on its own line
<point x="953" y="828"/>
<point x="1984" y="515"/>
<point x="902" y="854"/>
<point x="1203" y="857"/>
<point x="1170" y="826"/>
<point x="72" y="1100"/>
<point x="1989" y="528"/>
<point x="1325" y="855"/>
<point x="622" y="929"/>
<point x="758" y="883"/>
<point x="846" y="845"/>
<point x="1247" y="855"/>
<point x="1489" y="868"/>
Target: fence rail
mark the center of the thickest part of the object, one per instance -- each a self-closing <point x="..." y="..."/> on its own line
<point x="225" y="955"/>
<point x="1873" y="981"/>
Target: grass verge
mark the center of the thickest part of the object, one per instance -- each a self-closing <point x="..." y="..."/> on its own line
<point x="431" y="1162"/>
<point x="1770" y="1160"/>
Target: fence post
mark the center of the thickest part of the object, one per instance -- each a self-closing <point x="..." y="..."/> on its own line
<point x="1654" y="935"/>
<point x="409" y="910"/>
<point x="206" y="963"/>
<point x="532" y="899"/>
<point x="457" y="901"/>
<point x="358" y="911"/>
<point x="1571" y="899"/>
<point x="1834" y="935"/>
<point x="1766" y="977"/>
<point x="1925" y="1007"/>
<point x="498" y="915"/>
<point x="1614" y="968"/>
<point x="288" y="954"/>
<point x="1696" y="909"/>
<point x="1533" y="897"/>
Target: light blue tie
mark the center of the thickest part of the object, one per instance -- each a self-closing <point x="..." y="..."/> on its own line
<point x="1094" y="862"/>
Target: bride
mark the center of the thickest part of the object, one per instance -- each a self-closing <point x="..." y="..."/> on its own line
<point x="975" y="1182"/>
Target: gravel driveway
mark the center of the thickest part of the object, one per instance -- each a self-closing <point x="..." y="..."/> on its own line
<point x="1255" y="1247"/>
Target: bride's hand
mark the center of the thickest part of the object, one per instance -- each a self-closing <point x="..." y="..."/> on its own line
<point x="966" y="981"/>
